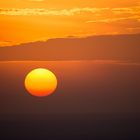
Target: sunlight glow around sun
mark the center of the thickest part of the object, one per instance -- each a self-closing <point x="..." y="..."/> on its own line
<point x="40" y="82"/>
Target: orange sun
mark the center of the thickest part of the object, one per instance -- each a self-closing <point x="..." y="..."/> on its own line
<point x="40" y="82"/>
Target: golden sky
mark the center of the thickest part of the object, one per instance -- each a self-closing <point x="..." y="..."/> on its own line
<point x="32" y="20"/>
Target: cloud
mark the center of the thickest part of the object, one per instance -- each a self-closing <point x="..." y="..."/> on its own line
<point x="133" y="28"/>
<point x="109" y="20"/>
<point x="90" y="14"/>
<point x="69" y="12"/>
<point x="117" y="15"/>
<point x="49" y="12"/>
<point x="129" y="10"/>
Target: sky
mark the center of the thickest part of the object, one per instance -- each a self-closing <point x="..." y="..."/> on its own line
<point x="24" y="21"/>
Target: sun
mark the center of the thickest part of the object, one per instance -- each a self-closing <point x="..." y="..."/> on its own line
<point x="40" y="82"/>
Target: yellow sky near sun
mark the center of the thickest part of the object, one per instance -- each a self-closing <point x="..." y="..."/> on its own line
<point x="32" y="20"/>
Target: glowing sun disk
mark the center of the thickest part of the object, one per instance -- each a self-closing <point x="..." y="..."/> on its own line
<point x="40" y="82"/>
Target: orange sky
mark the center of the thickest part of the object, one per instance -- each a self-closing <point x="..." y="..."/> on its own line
<point x="32" y="20"/>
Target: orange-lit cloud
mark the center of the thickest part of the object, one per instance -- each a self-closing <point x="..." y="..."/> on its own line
<point x="129" y="10"/>
<point x="68" y="12"/>
<point x="117" y="14"/>
<point x="109" y="20"/>
<point x="50" y="12"/>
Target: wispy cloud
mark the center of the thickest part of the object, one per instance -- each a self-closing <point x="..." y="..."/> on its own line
<point x="50" y="12"/>
<point x="129" y="10"/>
<point x="67" y="12"/>
<point x="117" y="15"/>
<point x="120" y="19"/>
<point x="109" y="20"/>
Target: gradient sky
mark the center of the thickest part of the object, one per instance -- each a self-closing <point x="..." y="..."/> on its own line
<point x="32" y="20"/>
